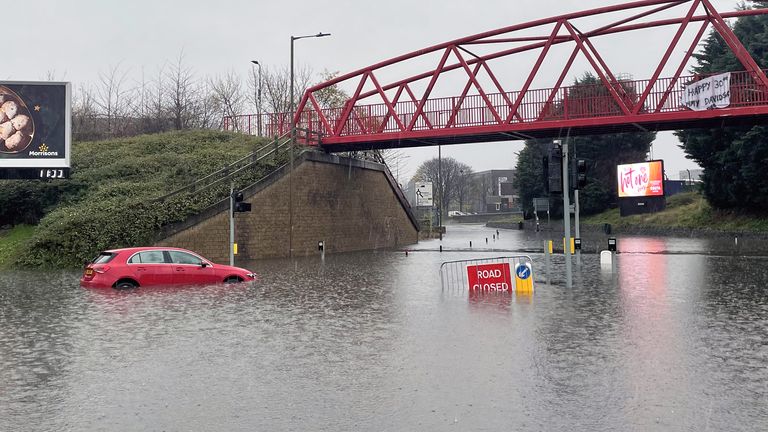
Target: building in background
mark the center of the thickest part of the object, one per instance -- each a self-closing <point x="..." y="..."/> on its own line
<point x="493" y="191"/>
<point x="691" y="175"/>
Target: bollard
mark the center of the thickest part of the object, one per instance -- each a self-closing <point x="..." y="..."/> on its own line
<point x="406" y="252"/>
<point x="441" y="248"/>
<point x="470" y="244"/>
<point x="486" y="240"/>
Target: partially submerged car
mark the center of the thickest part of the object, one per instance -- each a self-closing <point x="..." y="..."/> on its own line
<point x="157" y="266"/>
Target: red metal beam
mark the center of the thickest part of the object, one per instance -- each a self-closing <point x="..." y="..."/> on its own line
<point x="660" y="68"/>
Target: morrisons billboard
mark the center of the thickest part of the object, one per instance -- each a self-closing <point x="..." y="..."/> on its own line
<point x="35" y="129"/>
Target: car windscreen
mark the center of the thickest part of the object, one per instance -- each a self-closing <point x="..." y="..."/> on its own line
<point x="103" y="258"/>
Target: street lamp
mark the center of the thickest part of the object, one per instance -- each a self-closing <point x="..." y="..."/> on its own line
<point x="258" y="98"/>
<point x="293" y="142"/>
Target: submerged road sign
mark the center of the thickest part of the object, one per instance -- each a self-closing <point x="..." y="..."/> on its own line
<point x="502" y="274"/>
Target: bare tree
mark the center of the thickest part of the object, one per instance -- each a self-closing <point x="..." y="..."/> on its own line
<point x="452" y="174"/>
<point x="111" y="97"/>
<point x="395" y="159"/>
<point x="181" y="92"/>
<point x="206" y="112"/>
<point x="84" y="112"/>
<point x="277" y="87"/>
<point x="227" y="94"/>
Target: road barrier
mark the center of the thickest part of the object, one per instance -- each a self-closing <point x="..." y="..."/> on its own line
<point x="501" y="274"/>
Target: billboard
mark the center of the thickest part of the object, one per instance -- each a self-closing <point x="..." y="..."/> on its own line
<point x="35" y="126"/>
<point x="644" y="179"/>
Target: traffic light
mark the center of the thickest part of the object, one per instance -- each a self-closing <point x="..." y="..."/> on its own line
<point x="581" y="174"/>
<point x="554" y="174"/>
<point x="239" y="205"/>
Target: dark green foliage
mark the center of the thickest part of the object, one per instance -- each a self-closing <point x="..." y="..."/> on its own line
<point x="602" y="152"/>
<point x="529" y="173"/>
<point x="118" y="183"/>
<point x="734" y="159"/>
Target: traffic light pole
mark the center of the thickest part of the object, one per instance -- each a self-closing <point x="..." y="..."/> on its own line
<point x="232" y="224"/>
<point x="577" y="234"/>
<point x="567" y="216"/>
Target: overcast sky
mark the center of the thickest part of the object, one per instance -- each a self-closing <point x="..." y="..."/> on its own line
<point x="77" y="39"/>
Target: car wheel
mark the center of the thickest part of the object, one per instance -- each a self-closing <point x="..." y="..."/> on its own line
<point x="232" y="280"/>
<point x="126" y="285"/>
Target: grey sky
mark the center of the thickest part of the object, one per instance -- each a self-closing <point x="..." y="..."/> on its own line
<point x="77" y="39"/>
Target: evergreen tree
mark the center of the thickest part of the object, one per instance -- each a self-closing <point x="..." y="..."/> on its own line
<point x="602" y="152"/>
<point x="734" y="158"/>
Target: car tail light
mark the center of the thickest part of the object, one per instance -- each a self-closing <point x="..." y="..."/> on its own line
<point x="101" y="269"/>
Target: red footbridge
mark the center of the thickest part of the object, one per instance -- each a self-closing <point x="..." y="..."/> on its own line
<point x="481" y="88"/>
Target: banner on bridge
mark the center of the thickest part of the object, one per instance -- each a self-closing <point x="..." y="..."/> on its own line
<point x="710" y="93"/>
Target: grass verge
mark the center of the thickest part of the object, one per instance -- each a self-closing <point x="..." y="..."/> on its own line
<point x="11" y="243"/>
<point x="685" y="211"/>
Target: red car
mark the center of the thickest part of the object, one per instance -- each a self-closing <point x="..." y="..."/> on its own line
<point x="153" y="266"/>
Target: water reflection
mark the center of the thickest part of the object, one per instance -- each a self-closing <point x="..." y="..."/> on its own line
<point x="370" y="341"/>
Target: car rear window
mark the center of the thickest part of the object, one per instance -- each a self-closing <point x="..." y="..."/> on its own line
<point x="103" y="258"/>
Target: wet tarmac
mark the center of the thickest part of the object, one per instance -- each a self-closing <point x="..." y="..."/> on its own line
<point x="675" y="340"/>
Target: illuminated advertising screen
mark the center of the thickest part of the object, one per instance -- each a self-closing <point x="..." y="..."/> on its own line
<point x="644" y="179"/>
<point x="35" y="125"/>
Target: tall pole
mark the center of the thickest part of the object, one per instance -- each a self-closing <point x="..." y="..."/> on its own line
<point x="577" y="232"/>
<point x="290" y="156"/>
<point x="567" y="217"/>
<point x="258" y="98"/>
<point x="232" y="224"/>
<point x="440" y="190"/>
<point x="292" y="143"/>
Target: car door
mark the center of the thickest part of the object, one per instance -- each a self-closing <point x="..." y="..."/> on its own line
<point x="151" y="267"/>
<point x="188" y="269"/>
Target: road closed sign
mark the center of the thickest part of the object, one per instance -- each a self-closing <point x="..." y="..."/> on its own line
<point x="490" y="277"/>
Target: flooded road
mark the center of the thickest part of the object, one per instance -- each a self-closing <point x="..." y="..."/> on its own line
<point x="676" y="341"/>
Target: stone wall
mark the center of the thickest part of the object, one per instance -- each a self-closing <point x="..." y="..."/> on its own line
<point x="349" y="204"/>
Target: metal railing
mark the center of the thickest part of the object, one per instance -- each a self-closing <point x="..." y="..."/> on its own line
<point x="272" y="149"/>
<point x="454" y="277"/>
<point x="537" y="105"/>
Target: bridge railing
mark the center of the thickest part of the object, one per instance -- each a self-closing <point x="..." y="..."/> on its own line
<point x="537" y="105"/>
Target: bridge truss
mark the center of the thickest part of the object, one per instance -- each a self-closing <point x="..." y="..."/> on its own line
<point x="407" y="112"/>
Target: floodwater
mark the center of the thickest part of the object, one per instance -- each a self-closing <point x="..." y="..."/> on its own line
<point x="676" y="340"/>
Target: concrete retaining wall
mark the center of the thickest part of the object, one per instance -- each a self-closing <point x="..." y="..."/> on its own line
<point x="349" y="204"/>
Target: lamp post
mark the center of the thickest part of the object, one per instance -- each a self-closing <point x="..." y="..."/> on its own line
<point x="440" y="190"/>
<point x="293" y="142"/>
<point x="258" y="98"/>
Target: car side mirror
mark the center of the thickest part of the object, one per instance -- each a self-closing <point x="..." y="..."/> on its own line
<point x="204" y="264"/>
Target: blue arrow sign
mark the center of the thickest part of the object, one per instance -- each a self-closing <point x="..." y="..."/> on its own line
<point x="523" y="271"/>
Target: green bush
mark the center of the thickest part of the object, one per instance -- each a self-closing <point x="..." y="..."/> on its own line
<point x="115" y="203"/>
